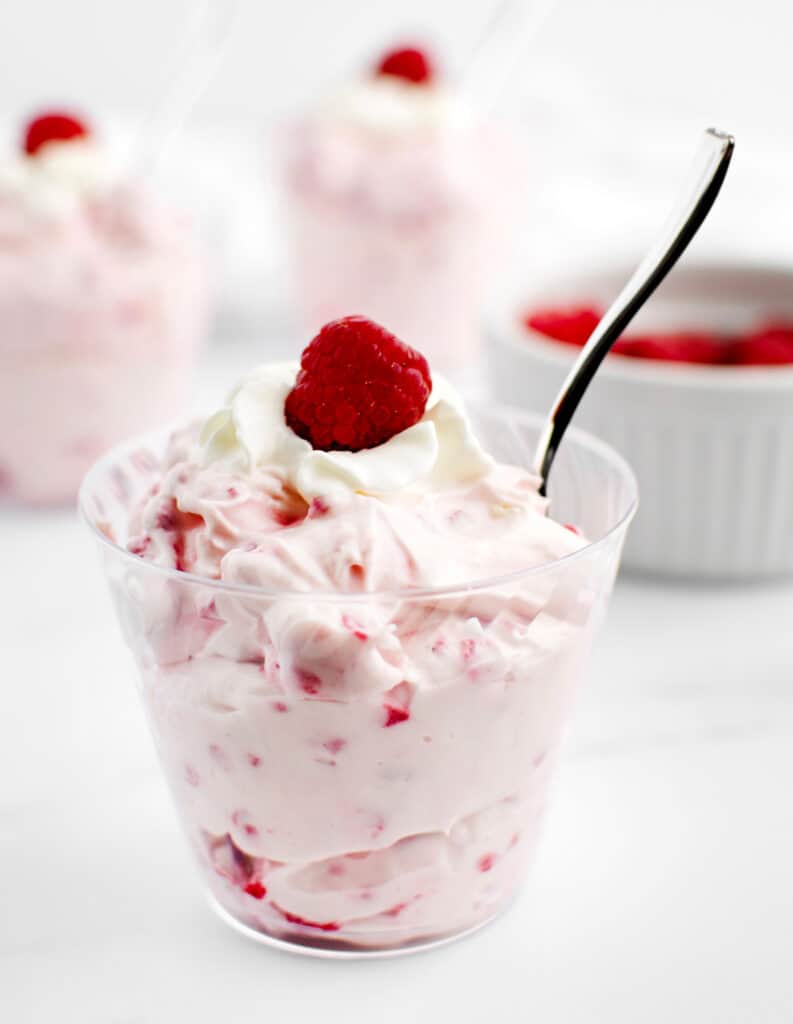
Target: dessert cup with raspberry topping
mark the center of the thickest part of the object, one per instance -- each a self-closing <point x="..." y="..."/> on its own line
<point x="400" y="206"/>
<point x="357" y="662"/>
<point x="102" y="305"/>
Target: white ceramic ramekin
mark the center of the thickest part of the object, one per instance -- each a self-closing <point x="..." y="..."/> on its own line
<point x="712" y="446"/>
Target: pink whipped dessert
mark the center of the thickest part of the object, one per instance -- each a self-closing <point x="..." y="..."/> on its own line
<point x="400" y="203"/>
<point x="358" y="637"/>
<point x="102" y="305"/>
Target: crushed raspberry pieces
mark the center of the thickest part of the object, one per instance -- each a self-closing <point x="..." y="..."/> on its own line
<point x="166" y="519"/>
<point x="179" y="553"/>
<point x="172" y="519"/>
<point x="397" y="704"/>
<point x="318" y="508"/>
<point x="139" y="546"/>
<point x="323" y="926"/>
<point x="240" y="819"/>
<point x="358" y="386"/>
<point x="309" y="682"/>
<point x="53" y="126"/>
<point x="395" y="911"/>
<point x="256" y="889"/>
<point x="486" y="862"/>
<point x="354" y="627"/>
<point x="284" y="517"/>
<point x="210" y="612"/>
<point x="395" y="715"/>
<point x="408" y="63"/>
<point x="468" y="648"/>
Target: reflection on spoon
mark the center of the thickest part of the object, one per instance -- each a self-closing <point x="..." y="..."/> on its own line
<point x="695" y="202"/>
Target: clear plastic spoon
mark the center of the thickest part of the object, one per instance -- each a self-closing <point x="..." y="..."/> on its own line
<point x="200" y="53"/>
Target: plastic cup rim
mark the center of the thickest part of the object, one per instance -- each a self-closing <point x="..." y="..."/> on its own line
<point x="581" y="437"/>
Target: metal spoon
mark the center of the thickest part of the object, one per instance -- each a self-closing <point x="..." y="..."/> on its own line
<point x="694" y="204"/>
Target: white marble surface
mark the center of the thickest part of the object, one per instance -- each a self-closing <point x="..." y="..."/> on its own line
<point x="663" y="890"/>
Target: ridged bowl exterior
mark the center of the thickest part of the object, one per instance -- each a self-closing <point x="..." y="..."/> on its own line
<point x="712" y="447"/>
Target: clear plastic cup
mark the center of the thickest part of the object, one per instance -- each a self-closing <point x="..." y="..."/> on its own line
<point x="334" y="805"/>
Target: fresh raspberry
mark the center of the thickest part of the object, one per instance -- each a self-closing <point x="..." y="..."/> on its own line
<point x="52" y="127"/>
<point x="769" y="345"/>
<point x="309" y="682"/>
<point x="397" y="704"/>
<point x="408" y="63"/>
<point x="573" y="325"/>
<point x="396" y="910"/>
<point x="358" y="386"/>
<point x="675" y="347"/>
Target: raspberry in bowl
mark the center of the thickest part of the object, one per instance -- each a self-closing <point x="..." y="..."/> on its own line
<point x="698" y="394"/>
<point x="358" y="662"/>
<point x="102" y="306"/>
<point x="400" y="205"/>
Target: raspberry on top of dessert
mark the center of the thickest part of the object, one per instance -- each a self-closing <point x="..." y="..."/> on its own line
<point x="53" y="126"/>
<point x="60" y="163"/>
<point x="409" y="63"/>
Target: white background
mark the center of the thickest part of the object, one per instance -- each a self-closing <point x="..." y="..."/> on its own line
<point x="610" y="96"/>
<point x="663" y="891"/>
<point x="695" y="59"/>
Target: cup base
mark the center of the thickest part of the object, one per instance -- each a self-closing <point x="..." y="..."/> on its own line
<point x="329" y="950"/>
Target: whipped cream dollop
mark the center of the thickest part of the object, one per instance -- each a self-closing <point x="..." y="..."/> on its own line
<point x="55" y="180"/>
<point x="389" y="106"/>
<point x="438" y="452"/>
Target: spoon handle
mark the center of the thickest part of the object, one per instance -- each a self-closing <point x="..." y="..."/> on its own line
<point x="694" y="204"/>
<point x="201" y="48"/>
